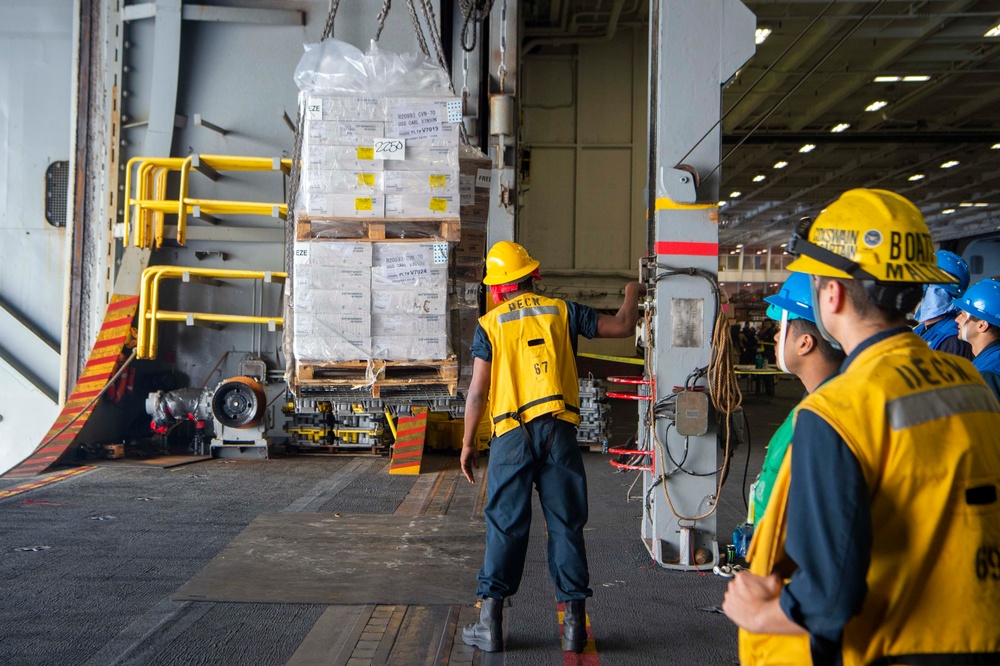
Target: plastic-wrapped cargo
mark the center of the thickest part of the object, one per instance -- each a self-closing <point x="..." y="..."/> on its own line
<point x="369" y="300"/>
<point x="373" y="112"/>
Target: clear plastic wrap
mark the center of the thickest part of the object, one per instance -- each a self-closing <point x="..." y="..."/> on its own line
<point x="333" y="65"/>
<point x="363" y="300"/>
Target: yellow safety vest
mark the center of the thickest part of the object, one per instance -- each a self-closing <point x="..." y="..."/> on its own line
<point x="766" y="556"/>
<point x="925" y="430"/>
<point x="533" y="368"/>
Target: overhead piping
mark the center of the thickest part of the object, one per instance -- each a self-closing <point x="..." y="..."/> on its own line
<point x="609" y="34"/>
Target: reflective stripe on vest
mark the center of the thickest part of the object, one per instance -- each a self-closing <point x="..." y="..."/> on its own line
<point x="912" y="410"/>
<point x="527" y="312"/>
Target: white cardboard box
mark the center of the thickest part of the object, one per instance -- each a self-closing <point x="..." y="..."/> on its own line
<point x="444" y="181"/>
<point x="343" y="278"/>
<point x="408" y="302"/>
<point x="422" y="325"/>
<point x="402" y="348"/>
<point x="421" y="205"/>
<point x="364" y="108"/>
<point x="343" y="132"/>
<point x="425" y="158"/>
<point x="345" y="205"/>
<point x="334" y="253"/>
<point x="352" y="301"/>
<point x="346" y="158"/>
<point x="342" y="181"/>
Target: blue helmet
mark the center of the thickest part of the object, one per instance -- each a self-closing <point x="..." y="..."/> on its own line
<point x="795" y="296"/>
<point x="982" y="301"/>
<point x="955" y="265"/>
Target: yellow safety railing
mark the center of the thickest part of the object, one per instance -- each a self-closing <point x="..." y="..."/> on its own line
<point x="148" y="206"/>
<point x="149" y="296"/>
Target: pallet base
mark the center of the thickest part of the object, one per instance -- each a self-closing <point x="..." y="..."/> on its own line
<point x="372" y="376"/>
<point x="377" y="229"/>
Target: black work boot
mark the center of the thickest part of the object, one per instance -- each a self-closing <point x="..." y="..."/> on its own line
<point x="575" y="626"/>
<point x="487" y="634"/>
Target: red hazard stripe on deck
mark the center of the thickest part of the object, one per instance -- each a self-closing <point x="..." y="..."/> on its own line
<point x="61" y="476"/>
<point x="124" y="321"/>
<point x="687" y="248"/>
<point x="402" y="434"/>
<point x="405" y="455"/>
<point x="110" y="342"/>
<point x="589" y="656"/>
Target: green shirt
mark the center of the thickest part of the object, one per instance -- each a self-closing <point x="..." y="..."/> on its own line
<point x="772" y="461"/>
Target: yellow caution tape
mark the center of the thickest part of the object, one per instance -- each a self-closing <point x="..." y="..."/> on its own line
<point x="615" y="359"/>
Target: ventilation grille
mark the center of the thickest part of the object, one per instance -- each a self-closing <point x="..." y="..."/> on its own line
<point x="56" y="193"/>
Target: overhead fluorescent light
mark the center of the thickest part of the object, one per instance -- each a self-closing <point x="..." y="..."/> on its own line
<point x="783" y="245"/>
<point x="916" y="78"/>
<point x="739" y="246"/>
<point x="733" y="195"/>
<point x="886" y="79"/>
<point x="840" y="127"/>
<point x="781" y="164"/>
<point x="722" y="203"/>
<point x="981" y="204"/>
<point x="993" y="32"/>
<point x="966" y="204"/>
<point x="759" y="177"/>
<point x="760" y="34"/>
<point x="949" y="164"/>
<point x="809" y="147"/>
<point x="916" y="176"/>
<point x="995" y="146"/>
<point x="948" y="211"/>
<point x="875" y="106"/>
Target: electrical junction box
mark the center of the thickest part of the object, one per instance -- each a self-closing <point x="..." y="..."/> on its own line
<point x="692" y="413"/>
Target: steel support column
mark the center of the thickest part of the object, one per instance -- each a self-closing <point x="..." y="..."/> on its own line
<point x="695" y="47"/>
<point x="505" y="35"/>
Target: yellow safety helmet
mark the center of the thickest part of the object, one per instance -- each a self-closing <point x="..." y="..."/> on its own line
<point x="868" y="235"/>
<point x="508" y="262"/>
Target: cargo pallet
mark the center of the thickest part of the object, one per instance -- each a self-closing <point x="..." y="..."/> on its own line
<point x="386" y="374"/>
<point x="375" y="229"/>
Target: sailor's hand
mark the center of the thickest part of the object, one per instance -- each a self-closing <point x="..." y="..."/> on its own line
<point x="748" y="595"/>
<point x="470" y="460"/>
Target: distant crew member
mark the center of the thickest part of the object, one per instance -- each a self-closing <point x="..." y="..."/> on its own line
<point x="891" y="532"/>
<point x="979" y="325"/>
<point x="525" y="365"/>
<point x="937" y="311"/>
<point x="800" y="351"/>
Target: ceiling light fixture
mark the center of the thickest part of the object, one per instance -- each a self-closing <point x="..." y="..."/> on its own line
<point x="875" y="106"/>
<point x="781" y="164"/>
<point x="722" y="203"/>
<point x="993" y="32"/>
<point x="916" y="176"/>
<point x="760" y="34"/>
<point x="840" y="127"/>
<point x="783" y="245"/>
<point x="966" y="204"/>
<point x="995" y="146"/>
<point x="981" y="204"/>
<point x="886" y="79"/>
<point x="948" y="211"/>
<point x="733" y="195"/>
<point x="808" y="148"/>
<point x="739" y="246"/>
<point x="949" y="164"/>
<point x="916" y="78"/>
<point x="759" y="177"/>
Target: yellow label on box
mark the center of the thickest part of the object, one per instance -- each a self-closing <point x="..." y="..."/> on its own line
<point x="366" y="153"/>
<point x="363" y="203"/>
<point x="438" y="181"/>
<point x="439" y="205"/>
<point x="366" y="179"/>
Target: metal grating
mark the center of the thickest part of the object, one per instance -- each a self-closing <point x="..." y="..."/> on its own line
<point x="56" y="193"/>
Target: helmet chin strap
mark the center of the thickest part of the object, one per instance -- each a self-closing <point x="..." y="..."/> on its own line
<point x="819" y="319"/>
<point x="963" y="331"/>
<point x="783" y="333"/>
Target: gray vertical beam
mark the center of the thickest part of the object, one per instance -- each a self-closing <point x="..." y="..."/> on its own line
<point x="166" y="68"/>
<point x="503" y="187"/>
<point x="695" y="46"/>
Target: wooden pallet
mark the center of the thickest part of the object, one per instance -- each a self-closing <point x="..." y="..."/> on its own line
<point x="356" y="374"/>
<point x="375" y="229"/>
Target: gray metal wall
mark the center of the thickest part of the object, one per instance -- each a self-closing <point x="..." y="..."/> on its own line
<point x="36" y="65"/>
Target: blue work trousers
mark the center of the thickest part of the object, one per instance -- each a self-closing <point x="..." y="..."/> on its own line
<point x="552" y="464"/>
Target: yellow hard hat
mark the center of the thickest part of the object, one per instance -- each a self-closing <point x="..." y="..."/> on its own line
<point x="868" y="235"/>
<point x="508" y="262"/>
